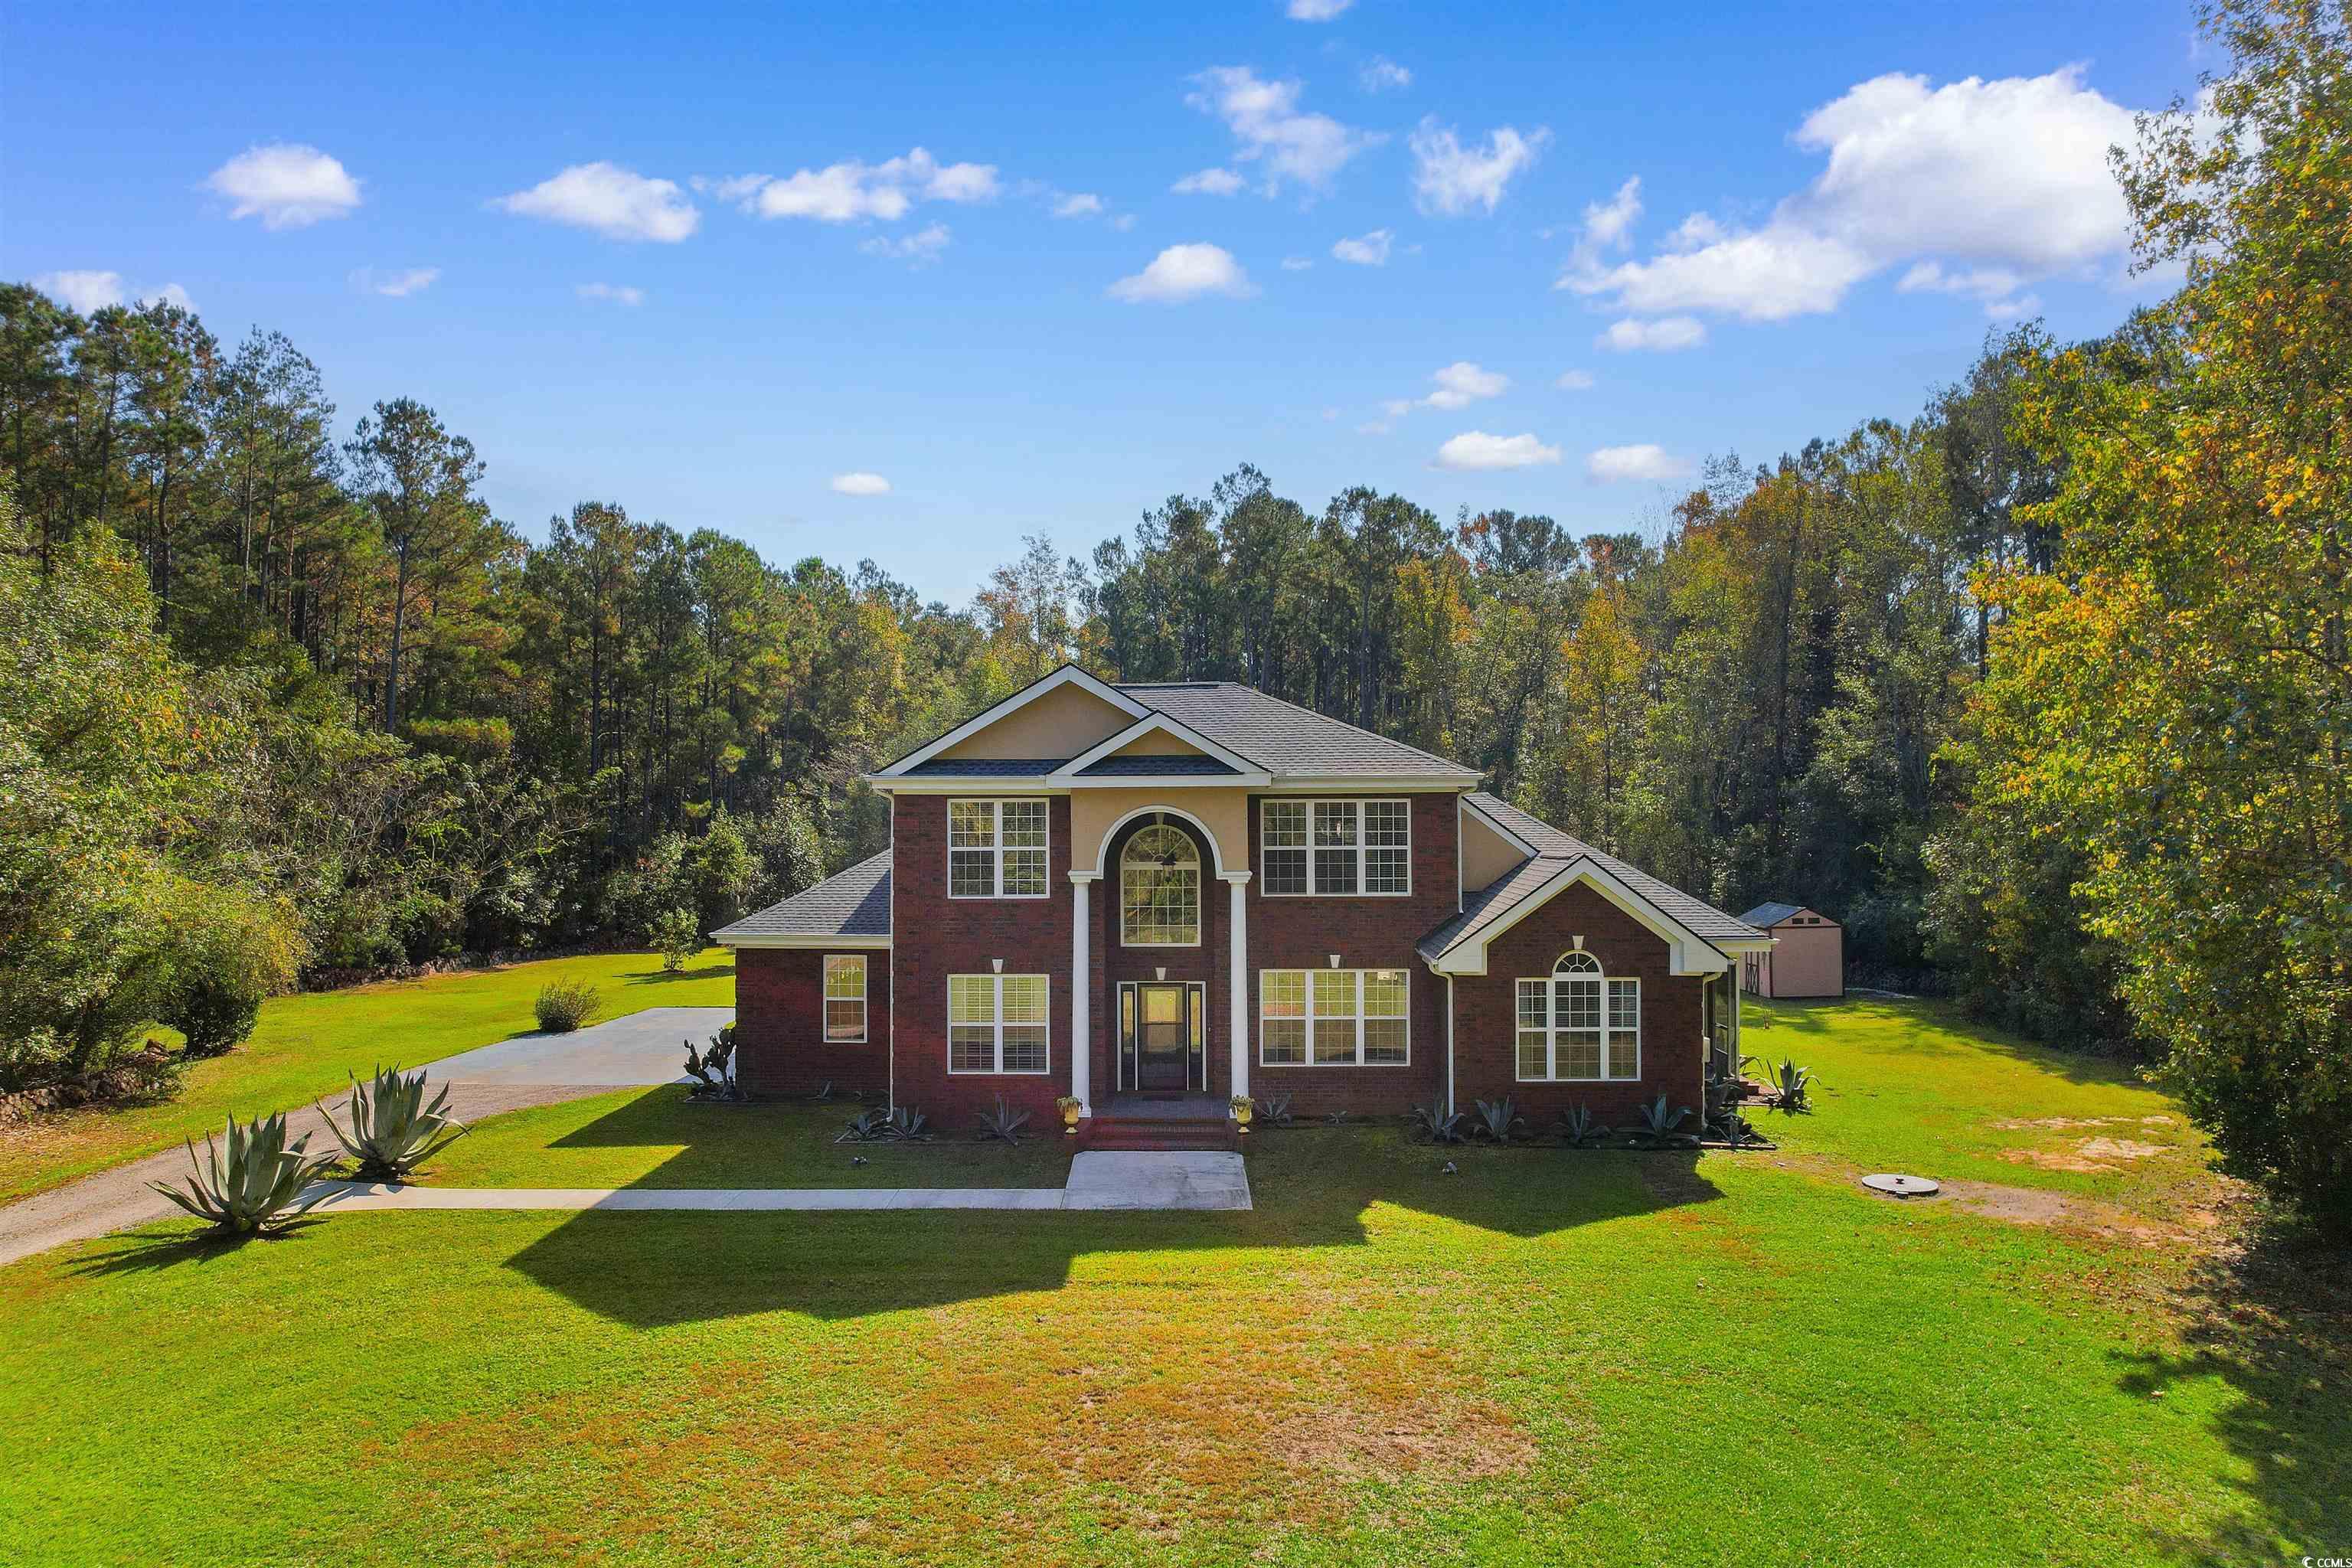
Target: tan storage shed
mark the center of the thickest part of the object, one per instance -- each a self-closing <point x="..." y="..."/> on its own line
<point x="1808" y="957"/>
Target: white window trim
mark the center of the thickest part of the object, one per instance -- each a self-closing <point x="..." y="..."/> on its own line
<point x="825" y="999"/>
<point x="1200" y="897"/>
<point x="1359" y="803"/>
<point x="997" y="1029"/>
<point x="1309" y="1019"/>
<point x="995" y="849"/>
<point x="1552" y="1026"/>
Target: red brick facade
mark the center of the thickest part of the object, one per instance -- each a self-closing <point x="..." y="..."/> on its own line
<point x="780" y="1044"/>
<point x="1367" y="932"/>
<point x="780" y="992"/>
<point x="1486" y="1013"/>
<point x="935" y="936"/>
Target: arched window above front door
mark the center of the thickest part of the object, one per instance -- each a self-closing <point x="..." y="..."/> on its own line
<point x="1160" y="889"/>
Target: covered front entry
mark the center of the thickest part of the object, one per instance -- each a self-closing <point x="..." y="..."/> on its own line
<point x="1163" y="1043"/>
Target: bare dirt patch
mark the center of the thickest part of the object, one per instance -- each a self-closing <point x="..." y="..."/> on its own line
<point x="2089" y="1156"/>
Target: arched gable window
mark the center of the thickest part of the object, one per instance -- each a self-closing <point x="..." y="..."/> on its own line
<point x="1580" y="1025"/>
<point x="1160" y="889"/>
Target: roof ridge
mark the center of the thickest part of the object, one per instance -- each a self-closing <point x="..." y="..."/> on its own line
<point x="1360" y="730"/>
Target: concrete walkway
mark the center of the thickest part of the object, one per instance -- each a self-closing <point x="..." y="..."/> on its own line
<point x="512" y="1075"/>
<point x="1099" y="1180"/>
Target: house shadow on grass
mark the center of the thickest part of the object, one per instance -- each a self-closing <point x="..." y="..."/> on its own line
<point x="1312" y="1190"/>
<point x="2272" y="1324"/>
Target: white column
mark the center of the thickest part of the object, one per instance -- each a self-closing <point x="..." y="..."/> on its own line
<point x="1082" y="1041"/>
<point x="1239" y="984"/>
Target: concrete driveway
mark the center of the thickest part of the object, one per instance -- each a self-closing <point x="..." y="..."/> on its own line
<point x="645" y="1048"/>
<point x="513" y="1075"/>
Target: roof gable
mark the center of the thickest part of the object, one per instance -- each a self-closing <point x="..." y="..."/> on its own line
<point x="1283" y="739"/>
<point x="1053" y="717"/>
<point x="1158" y="747"/>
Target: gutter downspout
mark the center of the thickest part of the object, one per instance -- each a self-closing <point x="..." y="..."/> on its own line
<point x="1449" y="1045"/>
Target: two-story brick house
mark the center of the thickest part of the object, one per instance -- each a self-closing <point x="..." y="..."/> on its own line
<point x="1156" y="892"/>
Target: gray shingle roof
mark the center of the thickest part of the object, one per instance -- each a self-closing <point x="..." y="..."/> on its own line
<point x="986" y="767"/>
<point x="1285" y="738"/>
<point x="855" y="902"/>
<point x="1142" y="767"/>
<point x="1554" y="851"/>
<point x="1764" y="915"/>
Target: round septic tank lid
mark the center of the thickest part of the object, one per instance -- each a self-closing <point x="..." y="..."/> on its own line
<point x="1902" y="1186"/>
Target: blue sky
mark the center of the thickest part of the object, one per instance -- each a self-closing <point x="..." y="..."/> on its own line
<point x="1415" y="221"/>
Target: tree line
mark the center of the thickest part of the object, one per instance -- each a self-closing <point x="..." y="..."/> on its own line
<point x="291" y="705"/>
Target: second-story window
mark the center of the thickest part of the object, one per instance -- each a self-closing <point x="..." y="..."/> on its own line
<point x="996" y="848"/>
<point x="1336" y="847"/>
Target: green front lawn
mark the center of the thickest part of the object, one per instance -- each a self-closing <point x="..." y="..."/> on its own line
<point x="656" y="1138"/>
<point x="305" y="1046"/>
<point x="1549" y="1356"/>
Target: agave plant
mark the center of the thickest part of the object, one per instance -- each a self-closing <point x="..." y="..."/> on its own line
<point x="1736" y="1131"/>
<point x="1274" y="1111"/>
<point x="1499" y="1120"/>
<point x="909" y="1125"/>
<point x="1792" y="1086"/>
<point x="871" y="1125"/>
<point x="1660" y="1124"/>
<point x="394" y="1129"/>
<point x="1579" y="1127"/>
<point x="1336" y="1119"/>
<point x="257" y="1186"/>
<point x="1438" y="1126"/>
<point x="1003" y="1122"/>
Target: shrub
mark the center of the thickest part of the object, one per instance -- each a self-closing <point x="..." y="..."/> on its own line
<point x="677" y="935"/>
<point x="1579" y="1127"/>
<point x="393" y="1128"/>
<point x="257" y="1186"/>
<point x="564" y="1004"/>
<point x="1660" y="1125"/>
<point x="1274" y="1111"/>
<point x="215" y="1016"/>
<point x="1499" y="1120"/>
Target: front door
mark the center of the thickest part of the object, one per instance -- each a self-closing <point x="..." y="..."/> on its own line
<point x="1163" y="1022"/>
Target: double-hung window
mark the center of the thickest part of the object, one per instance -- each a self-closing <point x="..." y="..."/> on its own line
<point x="996" y="1023"/>
<point x="844" y="997"/>
<point x="1336" y="847"/>
<point x="1333" y="1017"/>
<point x="1580" y="1025"/>
<point x="996" y="848"/>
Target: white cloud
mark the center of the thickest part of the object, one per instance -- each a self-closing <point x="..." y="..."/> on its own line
<point x="915" y="250"/>
<point x="1315" y="10"/>
<point x="286" y="184"/>
<point x="1264" y="118"/>
<point x="84" y="292"/>
<point x="1123" y="222"/>
<point x="1664" y="336"/>
<point x="2010" y="310"/>
<point x="1084" y="204"/>
<point x="1208" y="183"/>
<point x="397" y="285"/>
<point x="1461" y="384"/>
<point x="614" y="293"/>
<point x="861" y="484"/>
<point x="616" y="203"/>
<point x="1296" y="264"/>
<point x="88" y="292"/>
<point x="1450" y="179"/>
<point x="1609" y="226"/>
<point x="1366" y="250"/>
<point x="1981" y="282"/>
<point x="853" y="190"/>
<point x="1185" y="272"/>
<point x="1575" y="381"/>
<point x="1380" y="73"/>
<point x="1611" y="465"/>
<point x="1477" y="449"/>
<point x="2005" y="178"/>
